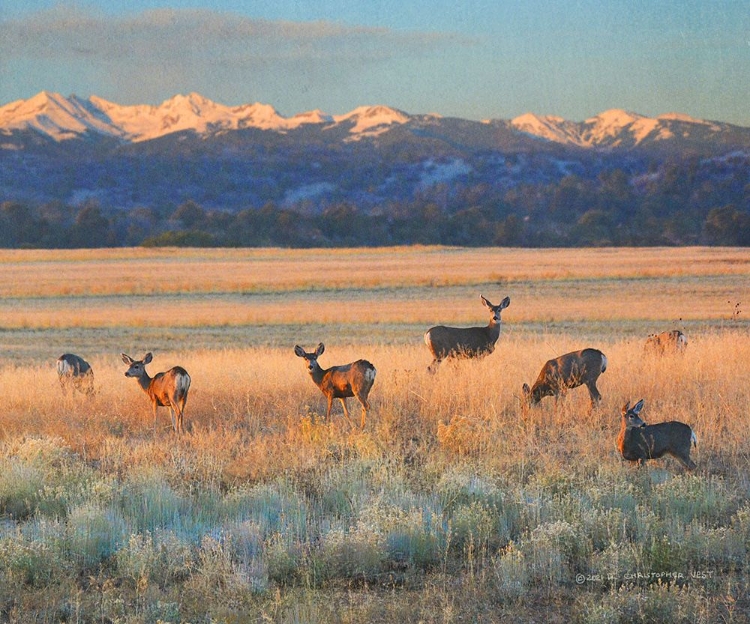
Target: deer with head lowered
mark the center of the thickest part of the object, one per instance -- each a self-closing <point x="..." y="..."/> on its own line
<point x="566" y="372"/>
<point x="340" y="382"/>
<point x="465" y="342"/>
<point x="167" y="389"/>
<point x="73" y="371"/>
<point x="638" y="441"/>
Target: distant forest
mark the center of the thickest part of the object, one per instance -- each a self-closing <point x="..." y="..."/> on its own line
<point x="681" y="206"/>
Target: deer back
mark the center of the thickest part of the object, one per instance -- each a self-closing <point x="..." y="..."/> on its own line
<point x="70" y="364"/>
<point x="169" y="386"/>
<point x="346" y="380"/>
<point x="569" y="371"/>
<point x="665" y="342"/>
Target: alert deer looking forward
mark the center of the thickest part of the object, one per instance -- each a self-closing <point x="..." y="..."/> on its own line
<point x="73" y="371"/>
<point x="565" y="372"/>
<point x="167" y="389"/>
<point x="468" y="342"/>
<point x="340" y="382"/>
<point x="638" y="441"/>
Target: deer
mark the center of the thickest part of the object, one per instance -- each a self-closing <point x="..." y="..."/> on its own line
<point x="340" y="382"/>
<point x="167" y="389"/>
<point x="666" y="342"/>
<point x="73" y="371"/>
<point x="638" y="441"/>
<point x="566" y="372"/>
<point x="465" y="342"/>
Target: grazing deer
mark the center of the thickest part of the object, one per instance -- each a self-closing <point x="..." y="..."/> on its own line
<point x="73" y="371"/>
<point x="565" y="372"/>
<point x="467" y="342"/>
<point x="167" y="389"/>
<point x="666" y="342"/>
<point x="340" y="382"/>
<point x="638" y="441"/>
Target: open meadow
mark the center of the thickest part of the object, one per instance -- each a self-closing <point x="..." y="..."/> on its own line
<point x="452" y="504"/>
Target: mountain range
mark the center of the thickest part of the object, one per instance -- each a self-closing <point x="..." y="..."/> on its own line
<point x="58" y="118"/>
<point x="74" y="151"/>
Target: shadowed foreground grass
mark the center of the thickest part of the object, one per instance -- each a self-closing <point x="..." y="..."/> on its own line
<point x="449" y="506"/>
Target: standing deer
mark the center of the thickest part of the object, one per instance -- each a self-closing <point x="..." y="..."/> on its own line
<point x="73" y="371"/>
<point x="666" y="342"/>
<point x="167" y="389"/>
<point x="340" y="382"/>
<point x="566" y="372"/>
<point x="638" y="441"/>
<point x="467" y="342"/>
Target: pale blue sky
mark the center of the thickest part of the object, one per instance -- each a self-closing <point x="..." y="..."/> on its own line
<point x="474" y="59"/>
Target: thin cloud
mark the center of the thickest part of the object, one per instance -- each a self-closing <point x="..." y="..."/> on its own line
<point x="171" y="36"/>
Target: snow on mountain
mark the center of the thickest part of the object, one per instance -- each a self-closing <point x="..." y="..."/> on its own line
<point x="55" y="116"/>
<point x="372" y="120"/>
<point x="310" y="117"/>
<point x="548" y="127"/>
<point x="60" y="118"/>
<point x="613" y="127"/>
<point x="610" y="129"/>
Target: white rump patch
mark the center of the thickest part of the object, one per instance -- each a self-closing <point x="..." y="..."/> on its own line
<point x="370" y="374"/>
<point x="604" y="362"/>
<point x="693" y="438"/>
<point x="64" y="368"/>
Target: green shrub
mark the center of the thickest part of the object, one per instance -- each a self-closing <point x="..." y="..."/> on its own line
<point x="93" y="534"/>
<point x="658" y="604"/>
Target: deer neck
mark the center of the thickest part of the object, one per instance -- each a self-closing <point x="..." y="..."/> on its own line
<point x="493" y="330"/>
<point x="144" y="381"/>
<point x="317" y="374"/>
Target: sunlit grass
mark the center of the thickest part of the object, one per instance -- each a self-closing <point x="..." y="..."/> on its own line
<point x="451" y="505"/>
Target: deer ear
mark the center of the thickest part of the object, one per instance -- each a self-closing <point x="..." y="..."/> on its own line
<point x="126" y="358"/>
<point x="320" y="349"/>
<point x="625" y="408"/>
<point x="148" y="357"/>
<point x="485" y="301"/>
<point x="299" y="351"/>
<point x="638" y="407"/>
<point x="505" y="303"/>
<point x="525" y="389"/>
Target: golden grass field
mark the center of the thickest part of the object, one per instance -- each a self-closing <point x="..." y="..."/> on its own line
<point x="451" y="505"/>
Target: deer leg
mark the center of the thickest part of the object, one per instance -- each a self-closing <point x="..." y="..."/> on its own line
<point x="329" y="398"/>
<point x="365" y="407"/>
<point x="180" y="416"/>
<point x="346" y="411"/>
<point x="594" y="394"/>
<point x="684" y="459"/>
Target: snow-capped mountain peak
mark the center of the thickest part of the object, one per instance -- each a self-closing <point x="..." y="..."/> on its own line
<point x="549" y="127"/>
<point x="372" y="120"/>
<point x="52" y="115"/>
<point x="58" y="118"/>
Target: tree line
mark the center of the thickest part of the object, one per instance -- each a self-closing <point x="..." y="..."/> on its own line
<point x="680" y="204"/>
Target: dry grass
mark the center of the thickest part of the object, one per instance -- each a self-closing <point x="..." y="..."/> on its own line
<point x="450" y="505"/>
<point x="376" y="289"/>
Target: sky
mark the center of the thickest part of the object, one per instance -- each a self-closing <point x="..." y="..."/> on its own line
<point x="476" y="59"/>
